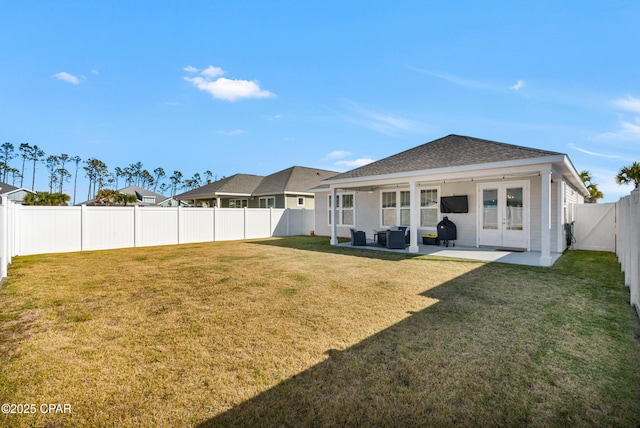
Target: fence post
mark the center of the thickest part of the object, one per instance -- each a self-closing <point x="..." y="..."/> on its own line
<point x="179" y="223"/>
<point x="5" y="238"/>
<point x="136" y="226"/>
<point x="634" y="285"/>
<point x="83" y="227"/>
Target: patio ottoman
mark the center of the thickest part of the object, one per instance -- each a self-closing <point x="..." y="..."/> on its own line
<point x="430" y="239"/>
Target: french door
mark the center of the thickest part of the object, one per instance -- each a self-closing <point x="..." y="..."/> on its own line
<point x="503" y="214"/>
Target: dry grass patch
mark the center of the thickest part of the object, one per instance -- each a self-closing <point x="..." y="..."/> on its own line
<point x="294" y="332"/>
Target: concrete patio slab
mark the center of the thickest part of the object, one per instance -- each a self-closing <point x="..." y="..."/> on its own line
<point x="527" y="258"/>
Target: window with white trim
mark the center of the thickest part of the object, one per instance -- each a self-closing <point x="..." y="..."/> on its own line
<point x="396" y="208"/>
<point x="429" y="208"/>
<point x="389" y="208"/>
<point x="345" y="208"/>
<point x="238" y="203"/>
<point x="268" y="202"/>
<point x="300" y="201"/>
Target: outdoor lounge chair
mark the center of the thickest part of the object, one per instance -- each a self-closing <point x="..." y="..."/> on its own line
<point x="396" y="239"/>
<point x="358" y="237"/>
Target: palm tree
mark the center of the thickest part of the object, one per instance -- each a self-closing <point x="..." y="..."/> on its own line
<point x="594" y="193"/>
<point x="46" y="198"/>
<point x="629" y="174"/>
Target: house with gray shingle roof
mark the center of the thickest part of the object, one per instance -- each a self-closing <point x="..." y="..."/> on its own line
<point x="229" y="192"/>
<point x="498" y="195"/>
<point x="289" y="188"/>
<point x="13" y="193"/>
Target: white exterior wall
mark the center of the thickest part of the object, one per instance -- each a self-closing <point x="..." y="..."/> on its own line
<point x="368" y="211"/>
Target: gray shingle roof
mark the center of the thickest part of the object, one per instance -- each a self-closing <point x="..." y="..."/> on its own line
<point x="297" y="179"/>
<point x="240" y="184"/>
<point x="450" y="151"/>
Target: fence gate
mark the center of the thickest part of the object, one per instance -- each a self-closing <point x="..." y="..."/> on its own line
<point x="595" y="227"/>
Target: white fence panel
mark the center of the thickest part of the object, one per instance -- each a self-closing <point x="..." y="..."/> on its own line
<point x="196" y="225"/>
<point x="48" y="230"/>
<point x="257" y="223"/>
<point x="595" y="227"/>
<point x="301" y="222"/>
<point x="629" y="244"/>
<point x="229" y="224"/>
<point x="280" y="222"/>
<point x="156" y="226"/>
<point x="104" y="228"/>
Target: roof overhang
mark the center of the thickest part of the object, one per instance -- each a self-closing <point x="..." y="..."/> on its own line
<point x="559" y="164"/>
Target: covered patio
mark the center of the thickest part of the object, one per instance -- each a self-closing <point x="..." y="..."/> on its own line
<point x="484" y="254"/>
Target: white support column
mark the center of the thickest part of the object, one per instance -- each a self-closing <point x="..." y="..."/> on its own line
<point x="414" y="216"/>
<point x="560" y="220"/>
<point x="334" y="220"/>
<point x="545" y="218"/>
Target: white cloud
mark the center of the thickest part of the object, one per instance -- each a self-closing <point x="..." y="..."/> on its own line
<point x="190" y="69"/>
<point x="601" y="155"/>
<point x="236" y="131"/>
<point x="628" y="104"/>
<point x="64" y="76"/>
<point x="212" y="72"/>
<point x="223" y="88"/>
<point x="519" y="84"/>
<point x="451" y="78"/>
<point x="384" y="123"/>
<point x="338" y="154"/>
<point x="354" y="163"/>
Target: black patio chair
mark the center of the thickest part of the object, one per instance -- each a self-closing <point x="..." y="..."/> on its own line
<point x="395" y="239"/>
<point x="358" y="237"/>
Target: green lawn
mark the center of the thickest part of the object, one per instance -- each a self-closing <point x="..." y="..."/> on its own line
<point x="294" y="332"/>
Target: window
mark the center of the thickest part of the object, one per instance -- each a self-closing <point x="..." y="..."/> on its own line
<point x="238" y="203"/>
<point x="389" y="208"/>
<point x="346" y="209"/>
<point x="405" y="208"/>
<point x="268" y="202"/>
<point x="394" y="213"/>
<point x="428" y="207"/>
<point x="300" y="201"/>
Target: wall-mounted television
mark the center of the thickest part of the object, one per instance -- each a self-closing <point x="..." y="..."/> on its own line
<point x="454" y="204"/>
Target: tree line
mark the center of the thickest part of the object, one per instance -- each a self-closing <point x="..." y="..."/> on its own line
<point x="63" y="167"/>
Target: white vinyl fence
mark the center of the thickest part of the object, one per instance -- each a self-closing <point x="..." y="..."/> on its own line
<point x="613" y="227"/>
<point x="26" y="230"/>
<point x="595" y="227"/>
<point x="628" y="221"/>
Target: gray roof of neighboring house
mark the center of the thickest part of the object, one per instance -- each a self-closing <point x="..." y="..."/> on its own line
<point x="7" y="188"/>
<point x="450" y="151"/>
<point x="297" y="179"/>
<point x="132" y="190"/>
<point x="237" y="184"/>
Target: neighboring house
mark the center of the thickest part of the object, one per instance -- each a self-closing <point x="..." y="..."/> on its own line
<point x="230" y="192"/>
<point x="516" y="197"/>
<point x="13" y="193"/>
<point x="289" y="188"/>
<point x="144" y="197"/>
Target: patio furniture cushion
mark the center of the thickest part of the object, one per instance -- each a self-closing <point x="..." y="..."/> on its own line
<point x="358" y="237"/>
<point x="396" y="239"/>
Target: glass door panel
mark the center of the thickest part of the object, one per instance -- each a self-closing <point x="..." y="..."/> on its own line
<point x="514" y="209"/>
<point x="490" y="209"/>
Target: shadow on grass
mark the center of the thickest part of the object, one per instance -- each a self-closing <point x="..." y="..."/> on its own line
<point x="322" y="244"/>
<point x="484" y="354"/>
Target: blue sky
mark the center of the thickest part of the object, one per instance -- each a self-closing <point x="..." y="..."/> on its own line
<point x="255" y="87"/>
